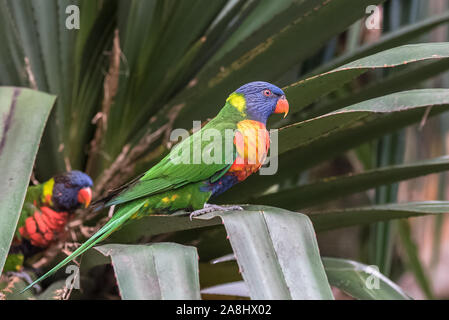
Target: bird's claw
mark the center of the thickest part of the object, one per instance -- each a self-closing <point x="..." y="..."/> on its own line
<point x="25" y="277"/>
<point x="211" y="208"/>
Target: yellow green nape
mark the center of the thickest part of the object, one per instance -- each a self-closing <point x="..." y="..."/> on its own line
<point x="237" y="100"/>
<point x="48" y="191"/>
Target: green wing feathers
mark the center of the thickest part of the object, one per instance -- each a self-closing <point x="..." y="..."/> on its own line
<point x="184" y="164"/>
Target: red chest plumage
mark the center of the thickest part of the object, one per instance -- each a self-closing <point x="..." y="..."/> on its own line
<point x="252" y="142"/>
<point x="44" y="226"/>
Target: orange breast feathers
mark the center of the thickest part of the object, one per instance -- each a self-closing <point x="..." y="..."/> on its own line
<point x="252" y="142"/>
<point x="44" y="226"/>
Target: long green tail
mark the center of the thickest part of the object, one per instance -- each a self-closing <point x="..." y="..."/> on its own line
<point x="119" y="218"/>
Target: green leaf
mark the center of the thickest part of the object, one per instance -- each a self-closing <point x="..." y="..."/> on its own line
<point x="266" y="18"/>
<point x="304" y="92"/>
<point x="356" y="279"/>
<point x="11" y="53"/>
<point x="9" y="290"/>
<point x="389" y="40"/>
<point x="333" y="219"/>
<point x="58" y="65"/>
<point x="53" y="292"/>
<point x="37" y="52"/>
<point x="361" y="281"/>
<point x="323" y="220"/>
<point x="247" y="62"/>
<point x="332" y="188"/>
<point x="396" y="81"/>
<point x="413" y="260"/>
<point x="158" y="224"/>
<point x="23" y="114"/>
<point x="277" y="253"/>
<point x="158" y="271"/>
<point x="403" y="107"/>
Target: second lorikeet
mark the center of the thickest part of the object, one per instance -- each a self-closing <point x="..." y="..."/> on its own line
<point x="45" y="213"/>
<point x="179" y="182"/>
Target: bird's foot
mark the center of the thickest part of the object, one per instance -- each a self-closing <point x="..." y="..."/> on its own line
<point x="25" y="277"/>
<point x="211" y="208"/>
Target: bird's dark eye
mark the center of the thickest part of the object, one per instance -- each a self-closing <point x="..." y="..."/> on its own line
<point x="267" y="93"/>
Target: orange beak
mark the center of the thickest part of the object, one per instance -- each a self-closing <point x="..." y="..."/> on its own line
<point x="85" y="196"/>
<point x="282" y="106"/>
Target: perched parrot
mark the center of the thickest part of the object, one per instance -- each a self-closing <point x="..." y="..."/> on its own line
<point x="45" y="213"/>
<point x="172" y="184"/>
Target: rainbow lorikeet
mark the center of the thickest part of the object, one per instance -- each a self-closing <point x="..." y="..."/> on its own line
<point x="174" y="183"/>
<point x="45" y="213"/>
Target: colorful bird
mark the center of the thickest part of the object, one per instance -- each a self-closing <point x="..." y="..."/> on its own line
<point x="199" y="167"/>
<point x="45" y="213"/>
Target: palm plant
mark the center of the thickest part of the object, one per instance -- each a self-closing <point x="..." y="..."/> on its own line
<point x="135" y="70"/>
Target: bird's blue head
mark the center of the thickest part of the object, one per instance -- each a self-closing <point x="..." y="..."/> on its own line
<point x="261" y="100"/>
<point x="70" y="190"/>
